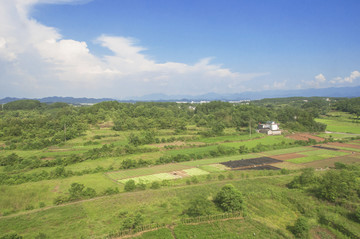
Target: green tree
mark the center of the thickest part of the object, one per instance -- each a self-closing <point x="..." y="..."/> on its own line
<point x="229" y="199"/>
<point x="199" y="206"/>
<point x="301" y="228"/>
<point x="130" y="185"/>
<point x="76" y="190"/>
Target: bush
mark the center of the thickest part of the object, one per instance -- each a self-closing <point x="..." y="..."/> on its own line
<point x="11" y="236"/>
<point x="41" y="204"/>
<point x="155" y="185"/>
<point x="194" y="179"/>
<point x="300" y="228"/>
<point x="141" y="186"/>
<point x="229" y="199"/>
<point x="199" y="206"/>
<point x="221" y="177"/>
<point x="130" y="185"/>
<point x="357" y="214"/>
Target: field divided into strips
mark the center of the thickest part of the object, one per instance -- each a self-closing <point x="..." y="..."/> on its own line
<point x="287" y="151"/>
<point x="317" y="155"/>
<point x="229" y="138"/>
<point x="151" y="178"/>
<point x="268" y="140"/>
<point x="347" y="148"/>
<point x="130" y="173"/>
<point x="213" y="168"/>
<point x="195" y="172"/>
<point x="218" y="160"/>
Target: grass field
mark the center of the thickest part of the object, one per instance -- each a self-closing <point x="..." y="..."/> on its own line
<point x="123" y="174"/>
<point x="317" y="155"/>
<point x="341" y="122"/>
<point x="150" y="178"/>
<point x="271" y="206"/>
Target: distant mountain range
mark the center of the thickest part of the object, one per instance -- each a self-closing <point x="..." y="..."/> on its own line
<point x="348" y="92"/>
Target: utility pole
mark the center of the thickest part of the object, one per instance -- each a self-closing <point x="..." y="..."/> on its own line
<point x="250" y="127"/>
<point x="65" y="132"/>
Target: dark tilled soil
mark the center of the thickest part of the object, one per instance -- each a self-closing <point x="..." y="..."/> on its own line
<point x="250" y="162"/>
<point x="323" y="147"/>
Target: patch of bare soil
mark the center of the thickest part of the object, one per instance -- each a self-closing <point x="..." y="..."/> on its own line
<point x="180" y="174"/>
<point x="287" y="156"/>
<point x="177" y="143"/>
<point x="106" y="125"/>
<point x="354" y="146"/>
<point x="56" y="189"/>
<point x="304" y="136"/>
<point x="321" y="233"/>
<point x="162" y="145"/>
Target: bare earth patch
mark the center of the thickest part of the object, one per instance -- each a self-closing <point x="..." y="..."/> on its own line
<point x="345" y="145"/>
<point x="305" y="136"/>
<point x="180" y="174"/>
<point x="287" y="156"/>
<point x="321" y="233"/>
<point x="177" y="143"/>
<point x="106" y="125"/>
<point x="56" y="189"/>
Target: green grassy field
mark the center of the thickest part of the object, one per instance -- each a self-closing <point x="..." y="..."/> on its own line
<point x="28" y="208"/>
<point x="341" y="122"/>
<point x="123" y="174"/>
<point x="317" y="155"/>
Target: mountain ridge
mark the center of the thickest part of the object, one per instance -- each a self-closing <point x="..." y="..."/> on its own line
<point x="347" y="92"/>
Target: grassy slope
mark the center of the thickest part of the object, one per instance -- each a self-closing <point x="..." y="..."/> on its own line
<point x="271" y="207"/>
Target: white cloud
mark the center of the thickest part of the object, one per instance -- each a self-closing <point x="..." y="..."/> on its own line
<point x="35" y="60"/>
<point x="319" y="80"/>
<point x="350" y="79"/>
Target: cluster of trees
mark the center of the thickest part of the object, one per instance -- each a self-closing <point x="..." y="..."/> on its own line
<point x="334" y="185"/>
<point x="29" y="124"/>
<point x="228" y="199"/>
<point x="351" y="106"/>
<point x="78" y="191"/>
<point x="340" y="186"/>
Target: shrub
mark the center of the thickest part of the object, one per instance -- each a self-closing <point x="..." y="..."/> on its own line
<point x="194" y="179"/>
<point x="130" y="185"/>
<point x="141" y="186"/>
<point x="11" y="236"/>
<point x="199" y="206"/>
<point x="357" y="214"/>
<point x="221" y="177"/>
<point x="41" y="204"/>
<point x="229" y="199"/>
<point x="155" y="185"/>
<point x="300" y="228"/>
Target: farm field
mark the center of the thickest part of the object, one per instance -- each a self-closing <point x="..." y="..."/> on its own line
<point x="317" y="155"/>
<point x="341" y="122"/>
<point x="77" y="188"/>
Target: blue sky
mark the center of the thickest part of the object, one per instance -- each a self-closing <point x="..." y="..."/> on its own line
<point x="124" y="48"/>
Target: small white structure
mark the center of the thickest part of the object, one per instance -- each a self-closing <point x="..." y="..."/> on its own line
<point x="269" y="128"/>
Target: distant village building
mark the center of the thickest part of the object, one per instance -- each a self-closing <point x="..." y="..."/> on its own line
<point x="269" y="128"/>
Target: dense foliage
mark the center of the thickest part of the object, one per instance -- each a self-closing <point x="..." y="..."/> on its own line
<point x="28" y="124"/>
<point x="229" y="199"/>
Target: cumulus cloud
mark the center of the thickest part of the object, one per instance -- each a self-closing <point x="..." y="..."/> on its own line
<point x="350" y="79"/>
<point x="318" y="81"/>
<point x="35" y="60"/>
